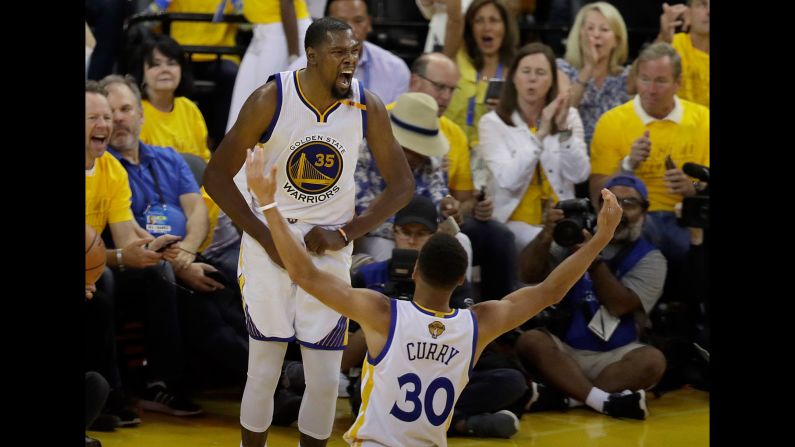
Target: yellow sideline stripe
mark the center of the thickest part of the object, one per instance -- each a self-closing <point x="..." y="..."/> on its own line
<point x="367" y="376"/>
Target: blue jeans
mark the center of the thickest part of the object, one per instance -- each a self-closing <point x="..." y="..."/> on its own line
<point x="662" y="230"/>
<point x="150" y="295"/>
<point x="493" y="250"/>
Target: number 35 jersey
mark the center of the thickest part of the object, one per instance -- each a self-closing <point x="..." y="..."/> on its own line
<point x="315" y="151"/>
<point x="410" y="389"/>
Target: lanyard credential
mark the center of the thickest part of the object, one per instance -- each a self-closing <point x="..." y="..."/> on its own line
<point x="471" y="104"/>
<point x="157" y="189"/>
<point x="157" y="186"/>
<point x="157" y="215"/>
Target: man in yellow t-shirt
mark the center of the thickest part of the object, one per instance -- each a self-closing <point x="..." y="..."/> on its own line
<point x="692" y="46"/>
<point x="437" y="75"/>
<point x="108" y="193"/>
<point x="138" y="270"/>
<point x="648" y="133"/>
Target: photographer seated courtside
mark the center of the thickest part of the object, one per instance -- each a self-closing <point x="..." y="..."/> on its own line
<point x="595" y="356"/>
<point x="495" y="397"/>
<point x="413" y="225"/>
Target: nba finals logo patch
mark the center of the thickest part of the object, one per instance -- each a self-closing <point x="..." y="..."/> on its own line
<point x="314" y="168"/>
<point x="436" y="328"/>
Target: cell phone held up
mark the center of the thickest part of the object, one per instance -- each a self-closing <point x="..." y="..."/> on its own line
<point x="669" y="163"/>
<point x="494" y="89"/>
<point x="165" y="246"/>
<point x="481" y="195"/>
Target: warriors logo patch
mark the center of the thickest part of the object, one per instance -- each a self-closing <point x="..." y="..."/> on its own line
<point x="436" y="328"/>
<point x="313" y="169"/>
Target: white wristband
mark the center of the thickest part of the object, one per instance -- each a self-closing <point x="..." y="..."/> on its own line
<point x="267" y="207"/>
<point x="626" y="165"/>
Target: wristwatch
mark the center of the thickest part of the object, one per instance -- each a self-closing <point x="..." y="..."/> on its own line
<point x="119" y="260"/>
<point x="625" y="165"/>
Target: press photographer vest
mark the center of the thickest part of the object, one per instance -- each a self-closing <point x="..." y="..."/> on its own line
<point x="583" y="304"/>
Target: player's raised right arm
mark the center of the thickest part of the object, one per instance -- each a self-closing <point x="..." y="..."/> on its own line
<point x="254" y="117"/>
<point x="498" y="317"/>
<point x="369" y="308"/>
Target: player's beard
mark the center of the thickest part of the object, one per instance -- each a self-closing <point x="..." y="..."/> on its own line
<point x="336" y="93"/>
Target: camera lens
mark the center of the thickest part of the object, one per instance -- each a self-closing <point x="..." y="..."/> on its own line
<point x="568" y="232"/>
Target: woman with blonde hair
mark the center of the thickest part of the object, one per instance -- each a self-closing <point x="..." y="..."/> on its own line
<point x="592" y="70"/>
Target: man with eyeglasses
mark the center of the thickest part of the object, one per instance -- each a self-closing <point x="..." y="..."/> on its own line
<point x="596" y="354"/>
<point x="437" y="75"/>
<point x="652" y="136"/>
<point x="413" y="226"/>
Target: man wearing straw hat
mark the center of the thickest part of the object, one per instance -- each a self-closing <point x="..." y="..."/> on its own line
<point x="415" y="125"/>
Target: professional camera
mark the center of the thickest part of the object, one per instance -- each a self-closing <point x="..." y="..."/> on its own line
<point x="555" y="318"/>
<point x="579" y="216"/>
<point x="400" y="285"/>
<point x="695" y="210"/>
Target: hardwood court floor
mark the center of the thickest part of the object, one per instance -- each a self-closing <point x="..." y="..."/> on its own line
<point x="678" y="418"/>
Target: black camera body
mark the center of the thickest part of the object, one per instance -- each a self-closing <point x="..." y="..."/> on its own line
<point x="400" y="285"/>
<point x="695" y="210"/>
<point x="555" y="318"/>
<point x="579" y="215"/>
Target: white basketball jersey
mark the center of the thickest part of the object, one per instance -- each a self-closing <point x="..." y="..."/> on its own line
<point x="316" y="152"/>
<point x="410" y="389"/>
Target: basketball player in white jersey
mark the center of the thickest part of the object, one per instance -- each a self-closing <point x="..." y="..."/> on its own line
<point x="310" y="123"/>
<point x="420" y="352"/>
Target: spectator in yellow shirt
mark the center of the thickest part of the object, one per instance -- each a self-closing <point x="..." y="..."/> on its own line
<point x="170" y="119"/>
<point x="487" y="47"/>
<point x="638" y="136"/>
<point x="692" y="46"/>
<point x="213" y="104"/>
<point x="492" y="242"/>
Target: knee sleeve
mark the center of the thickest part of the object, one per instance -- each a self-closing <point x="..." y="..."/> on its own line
<point x="318" y="408"/>
<point x="264" y="368"/>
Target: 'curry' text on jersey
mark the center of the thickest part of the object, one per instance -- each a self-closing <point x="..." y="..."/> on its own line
<point x="409" y="390"/>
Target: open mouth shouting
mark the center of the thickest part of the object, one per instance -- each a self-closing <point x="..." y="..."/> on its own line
<point x="344" y="79"/>
<point x="488" y="42"/>
<point x="98" y="141"/>
<point x="342" y="86"/>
